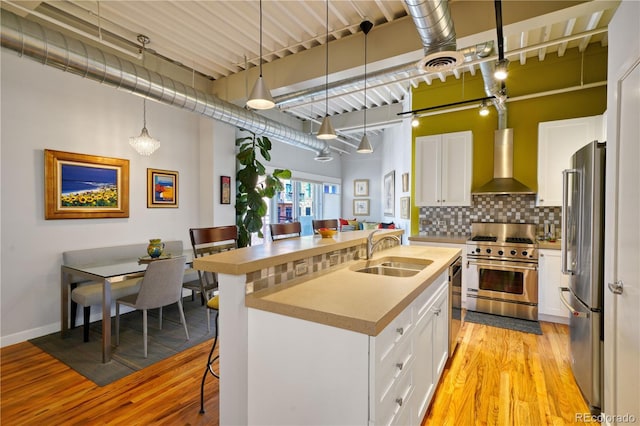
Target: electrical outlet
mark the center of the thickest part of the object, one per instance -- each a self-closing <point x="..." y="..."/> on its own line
<point x="442" y="223"/>
<point x="301" y="268"/>
<point x="334" y="259"/>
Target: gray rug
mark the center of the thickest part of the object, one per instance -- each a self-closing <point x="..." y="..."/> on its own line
<point x="509" y="323"/>
<point x="128" y="357"/>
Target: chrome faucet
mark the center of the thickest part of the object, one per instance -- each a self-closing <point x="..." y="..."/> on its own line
<point x="371" y="246"/>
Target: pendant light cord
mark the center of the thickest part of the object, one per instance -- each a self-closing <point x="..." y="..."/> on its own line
<point x="144" y="113"/>
<point x="365" y="82"/>
<point x="326" y="64"/>
<point x="260" y="38"/>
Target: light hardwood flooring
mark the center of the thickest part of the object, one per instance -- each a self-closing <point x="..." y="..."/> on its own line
<point x="496" y="377"/>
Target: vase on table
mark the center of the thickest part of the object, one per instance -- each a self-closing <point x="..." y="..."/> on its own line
<point x="155" y="248"/>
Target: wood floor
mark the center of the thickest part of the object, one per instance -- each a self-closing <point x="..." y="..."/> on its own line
<point x="497" y="377"/>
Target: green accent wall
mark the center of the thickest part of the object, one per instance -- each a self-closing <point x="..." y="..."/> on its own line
<point x="574" y="69"/>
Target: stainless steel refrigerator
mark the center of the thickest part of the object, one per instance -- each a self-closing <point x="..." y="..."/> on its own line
<point x="583" y="262"/>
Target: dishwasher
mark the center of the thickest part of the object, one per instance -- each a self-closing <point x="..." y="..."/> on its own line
<point x="455" y="304"/>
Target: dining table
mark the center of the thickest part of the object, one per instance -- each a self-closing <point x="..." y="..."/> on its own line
<point x="107" y="274"/>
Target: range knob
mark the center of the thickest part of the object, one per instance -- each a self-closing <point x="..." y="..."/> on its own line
<point x="500" y="252"/>
<point x="488" y="250"/>
<point x="513" y="252"/>
<point x="524" y="253"/>
<point x="478" y="250"/>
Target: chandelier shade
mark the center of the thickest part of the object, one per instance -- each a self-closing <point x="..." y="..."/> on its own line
<point x="144" y="144"/>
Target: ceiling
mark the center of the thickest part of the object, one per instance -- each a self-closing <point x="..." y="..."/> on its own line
<point x="219" y="40"/>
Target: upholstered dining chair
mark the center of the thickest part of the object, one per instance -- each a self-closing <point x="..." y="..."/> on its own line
<point x="281" y="231"/>
<point x="324" y="223"/>
<point x="160" y="286"/>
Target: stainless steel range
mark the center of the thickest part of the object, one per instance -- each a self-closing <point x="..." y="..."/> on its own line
<point x="502" y="259"/>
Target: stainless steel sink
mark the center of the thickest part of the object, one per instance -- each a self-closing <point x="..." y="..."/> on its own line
<point x="393" y="266"/>
<point x="392" y="272"/>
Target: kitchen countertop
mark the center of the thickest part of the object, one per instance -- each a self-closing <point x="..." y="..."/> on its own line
<point x="451" y="239"/>
<point x="351" y="300"/>
<point x="254" y="258"/>
<point x="542" y="244"/>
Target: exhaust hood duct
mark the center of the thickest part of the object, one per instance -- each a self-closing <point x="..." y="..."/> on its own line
<point x="503" y="182"/>
<point x="55" y="49"/>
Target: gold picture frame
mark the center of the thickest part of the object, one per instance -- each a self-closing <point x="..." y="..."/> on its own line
<point x="361" y="188"/>
<point x="162" y="188"/>
<point x="81" y="186"/>
<point x="361" y="207"/>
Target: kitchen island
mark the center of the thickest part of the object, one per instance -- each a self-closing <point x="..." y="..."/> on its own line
<point x="311" y="285"/>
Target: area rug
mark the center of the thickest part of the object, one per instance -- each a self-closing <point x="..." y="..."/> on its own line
<point x="509" y="323"/>
<point x="128" y="357"/>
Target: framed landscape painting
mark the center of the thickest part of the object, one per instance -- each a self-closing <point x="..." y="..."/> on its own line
<point x="80" y="186"/>
<point x="162" y="188"/>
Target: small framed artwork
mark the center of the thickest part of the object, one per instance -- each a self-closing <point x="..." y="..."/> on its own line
<point x="405" y="208"/>
<point x="162" y="188"/>
<point x="225" y="189"/>
<point x="389" y="193"/>
<point x="361" y="207"/>
<point x="80" y="186"/>
<point x="405" y="182"/>
<point x="361" y="188"/>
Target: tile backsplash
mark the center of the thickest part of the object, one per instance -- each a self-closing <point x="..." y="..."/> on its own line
<point x="451" y="221"/>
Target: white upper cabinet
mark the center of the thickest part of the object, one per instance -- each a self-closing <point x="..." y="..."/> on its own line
<point x="557" y="142"/>
<point x="443" y="169"/>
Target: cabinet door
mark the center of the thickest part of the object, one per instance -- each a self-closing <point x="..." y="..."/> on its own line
<point x="428" y="170"/>
<point x="457" y="153"/>
<point x="550" y="278"/>
<point x="440" y="312"/>
<point x="423" y="369"/>
<point x="557" y="141"/>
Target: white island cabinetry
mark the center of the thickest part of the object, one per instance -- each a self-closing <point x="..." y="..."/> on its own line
<point x="302" y="372"/>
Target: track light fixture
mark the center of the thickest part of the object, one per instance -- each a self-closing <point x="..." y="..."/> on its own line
<point x="484" y="111"/>
<point x="501" y="71"/>
<point x="260" y="97"/>
<point x="415" y="121"/>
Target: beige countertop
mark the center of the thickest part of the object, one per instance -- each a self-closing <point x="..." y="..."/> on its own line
<point x="451" y="239"/>
<point x="549" y="245"/>
<point x="249" y="259"/>
<point x="352" y="300"/>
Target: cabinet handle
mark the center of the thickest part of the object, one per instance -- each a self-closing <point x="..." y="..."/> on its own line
<point x="437" y="311"/>
<point x="542" y="200"/>
<point x="400" y="330"/>
<point x="541" y="254"/>
<point x="399" y="401"/>
<point x="400" y="365"/>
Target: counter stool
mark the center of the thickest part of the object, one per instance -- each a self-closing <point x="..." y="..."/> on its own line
<point x="214" y="305"/>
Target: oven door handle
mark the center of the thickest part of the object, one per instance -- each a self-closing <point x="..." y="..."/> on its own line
<point x="511" y="266"/>
<point x="574" y="313"/>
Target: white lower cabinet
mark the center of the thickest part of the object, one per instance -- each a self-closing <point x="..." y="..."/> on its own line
<point x="550" y="277"/>
<point x="302" y="372"/>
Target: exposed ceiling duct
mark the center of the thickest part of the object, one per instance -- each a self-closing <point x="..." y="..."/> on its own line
<point x="52" y="48"/>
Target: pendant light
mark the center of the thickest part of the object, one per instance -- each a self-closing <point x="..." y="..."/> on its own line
<point x="260" y="97"/>
<point x="365" y="146"/>
<point x="326" y="130"/>
<point x="144" y="144"/>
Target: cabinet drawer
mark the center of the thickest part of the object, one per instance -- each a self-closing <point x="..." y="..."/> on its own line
<point x="426" y="299"/>
<point x="397" y="331"/>
<point x="395" y="365"/>
<point x="389" y="408"/>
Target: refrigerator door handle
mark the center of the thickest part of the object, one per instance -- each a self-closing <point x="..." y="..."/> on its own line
<point x="565" y="220"/>
<point x="616" y="287"/>
<point x="574" y="313"/>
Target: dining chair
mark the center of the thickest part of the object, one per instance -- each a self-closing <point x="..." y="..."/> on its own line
<point x="161" y="285"/>
<point x="281" y="231"/>
<point x="324" y="223"/>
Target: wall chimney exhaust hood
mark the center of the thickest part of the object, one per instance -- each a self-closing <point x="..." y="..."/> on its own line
<point x="503" y="182"/>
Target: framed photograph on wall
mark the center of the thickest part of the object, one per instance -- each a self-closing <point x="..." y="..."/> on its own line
<point x="405" y="208"/>
<point x="389" y="194"/>
<point x="162" y="188"/>
<point x="405" y="182"/>
<point x="361" y="188"/>
<point x="80" y="186"/>
<point x="361" y="207"/>
<point x="225" y="189"/>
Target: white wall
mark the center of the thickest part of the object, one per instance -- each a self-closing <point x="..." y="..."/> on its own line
<point x="363" y="166"/>
<point x="44" y="108"/>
